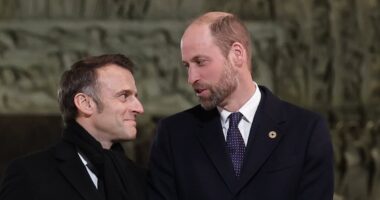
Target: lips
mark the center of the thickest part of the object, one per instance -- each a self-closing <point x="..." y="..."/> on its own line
<point x="131" y="121"/>
<point x="198" y="91"/>
<point x="200" y="88"/>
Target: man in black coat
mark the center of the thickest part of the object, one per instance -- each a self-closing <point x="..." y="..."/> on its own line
<point x="99" y="104"/>
<point x="242" y="142"/>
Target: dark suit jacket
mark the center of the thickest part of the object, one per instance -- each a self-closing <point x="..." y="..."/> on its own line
<point x="59" y="174"/>
<point x="189" y="160"/>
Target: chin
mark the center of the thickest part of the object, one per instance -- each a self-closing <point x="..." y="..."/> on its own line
<point x="131" y="136"/>
<point x="207" y="105"/>
<point x="125" y="137"/>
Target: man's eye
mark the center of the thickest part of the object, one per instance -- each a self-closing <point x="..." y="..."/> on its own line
<point x="200" y="62"/>
<point x="186" y="65"/>
<point x="124" y="97"/>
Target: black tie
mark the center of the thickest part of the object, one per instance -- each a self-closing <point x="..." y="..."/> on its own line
<point x="235" y="142"/>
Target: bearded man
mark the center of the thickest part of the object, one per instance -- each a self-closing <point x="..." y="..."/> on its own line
<point x="241" y="142"/>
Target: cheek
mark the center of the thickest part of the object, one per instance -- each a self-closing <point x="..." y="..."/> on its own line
<point x="124" y="109"/>
<point x="115" y="112"/>
<point x="213" y="76"/>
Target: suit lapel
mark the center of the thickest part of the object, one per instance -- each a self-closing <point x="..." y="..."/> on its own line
<point x="75" y="172"/>
<point x="259" y="148"/>
<point x="213" y="142"/>
<point x="260" y="144"/>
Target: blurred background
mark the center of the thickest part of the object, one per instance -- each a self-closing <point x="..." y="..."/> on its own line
<point x="323" y="55"/>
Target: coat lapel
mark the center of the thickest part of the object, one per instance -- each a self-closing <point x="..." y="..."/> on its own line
<point x="260" y="143"/>
<point x="75" y="172"/>
<point x="213" y="142"/>
<point x="259" y="148"/>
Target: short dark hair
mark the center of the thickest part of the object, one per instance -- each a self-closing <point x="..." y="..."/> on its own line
<point x="82" y="77"/>
<point x="229" y="29"/>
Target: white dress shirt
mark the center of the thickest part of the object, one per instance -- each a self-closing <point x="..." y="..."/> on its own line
<point x="248" y="110"/>
<point x="93" y="177"/>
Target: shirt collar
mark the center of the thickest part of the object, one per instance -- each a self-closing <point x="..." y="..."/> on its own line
<point x="248" y="109"/>
<point x="84" y="161"/>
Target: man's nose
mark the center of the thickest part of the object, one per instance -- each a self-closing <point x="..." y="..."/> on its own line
<point x="192" y="75"/>
<point x="138" y="107"/>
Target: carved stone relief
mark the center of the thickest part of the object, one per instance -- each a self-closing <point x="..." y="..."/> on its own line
<point x="35" y="55"/>
<point x="320" y="54"/>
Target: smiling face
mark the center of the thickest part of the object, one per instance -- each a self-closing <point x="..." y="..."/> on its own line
<point x="210" y="73"/>
<point x="116" y="120"/>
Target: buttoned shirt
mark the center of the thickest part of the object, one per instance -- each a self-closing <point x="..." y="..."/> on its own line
<point x="248" y="110"/>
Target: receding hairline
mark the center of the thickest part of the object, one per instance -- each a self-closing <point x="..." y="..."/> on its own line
<point x="206" y="20"/>
<point x="210" y="17"/>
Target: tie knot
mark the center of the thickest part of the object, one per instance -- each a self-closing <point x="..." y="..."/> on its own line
<point x="235" y="118"/>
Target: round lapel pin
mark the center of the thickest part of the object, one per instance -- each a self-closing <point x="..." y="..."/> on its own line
<point x="272" y="134"/>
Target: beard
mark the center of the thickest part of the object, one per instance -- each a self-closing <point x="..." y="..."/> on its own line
<point x="226" y="84"/>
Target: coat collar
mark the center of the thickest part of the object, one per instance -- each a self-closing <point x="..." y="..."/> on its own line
<point x="73" y="170"/>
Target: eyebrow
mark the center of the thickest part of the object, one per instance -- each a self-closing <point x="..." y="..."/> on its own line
<point x="197" y="57"/>
<point x="124" y="92"/>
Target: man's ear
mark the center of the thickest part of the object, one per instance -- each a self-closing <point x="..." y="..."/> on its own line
<point x="238" y="54"/>
<point x="84" y="104"/>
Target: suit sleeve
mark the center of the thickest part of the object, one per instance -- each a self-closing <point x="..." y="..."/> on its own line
<point x="317" y="181"/>
<point x="15" y="184"/>
<point x="162" y="175"/>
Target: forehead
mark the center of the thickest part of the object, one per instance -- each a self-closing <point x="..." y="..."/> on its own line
<point x="196" y="33"/>
<point x="115" y="78"/>
<point x="197" y="39"/>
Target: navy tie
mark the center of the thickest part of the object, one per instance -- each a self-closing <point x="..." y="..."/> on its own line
<point x="235" y="142"/>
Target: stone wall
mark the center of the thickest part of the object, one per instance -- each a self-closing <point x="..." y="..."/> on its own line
<point x="323" y="55"/>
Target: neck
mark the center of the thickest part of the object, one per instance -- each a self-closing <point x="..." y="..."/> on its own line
<point x="244" y="91"/>
<point x="106" y="144"/>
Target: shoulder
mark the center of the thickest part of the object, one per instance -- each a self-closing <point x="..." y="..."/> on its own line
<point x="41" y="161"/>
<point x="187" y="121"/>
<point x="297" y="112"/>
<point x="280" y="109"/>
<point x="190" y="116"/>
<point x="191" y="113"/>
<point x="18" y="181"/>
<point x="32" y="159"/>
<point x="182" y="126"/>
<point x="23" y="167"/>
